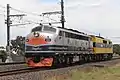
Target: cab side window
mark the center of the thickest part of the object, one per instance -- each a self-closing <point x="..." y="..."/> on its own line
<point x="61" y="33"/>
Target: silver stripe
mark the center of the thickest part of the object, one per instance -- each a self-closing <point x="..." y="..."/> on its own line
<point x="79" y="52"/>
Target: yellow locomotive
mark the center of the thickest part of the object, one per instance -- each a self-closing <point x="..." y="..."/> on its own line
<point x="102" y="46"/>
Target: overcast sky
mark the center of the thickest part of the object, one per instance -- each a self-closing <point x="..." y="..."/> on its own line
<point x="91" y="16"/>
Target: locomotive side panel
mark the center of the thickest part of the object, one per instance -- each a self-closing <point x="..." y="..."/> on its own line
<point x="74" y="41"/>
<point x="101" y="45"/>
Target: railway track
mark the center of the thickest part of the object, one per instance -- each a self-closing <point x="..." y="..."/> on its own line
<point x="11" y="72"/>
<point x="27" y="69"/>
<point x="13" y="63"/>
<point x="106" y="63"/>
<point x="19" y="71"/>
<point x="99" y="64"/>
<point x="12" y="66"/>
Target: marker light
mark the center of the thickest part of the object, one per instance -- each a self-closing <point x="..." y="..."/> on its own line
<point x="47" y="39"/>
<point x="27" y="40"/>
<point x="36" y="34"/>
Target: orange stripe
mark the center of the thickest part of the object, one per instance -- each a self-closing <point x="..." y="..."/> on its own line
<point x="37" y="41"/>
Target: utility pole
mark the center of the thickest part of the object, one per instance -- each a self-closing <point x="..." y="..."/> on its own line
<point x="8" y="22"/>
<point x="99" y="34"/>
<point x="62" y="20"/>
<point x="62" y="14"/>
<point x="8" y="25"/>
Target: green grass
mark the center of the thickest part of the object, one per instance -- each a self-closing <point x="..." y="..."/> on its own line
<point x="97" y="74"/>
<point x="112" y="73"/>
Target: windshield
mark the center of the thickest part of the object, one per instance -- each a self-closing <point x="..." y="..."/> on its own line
<point x="38" y="28"/>
<point x="49" y="29"/>
<point x="45" y="29"/>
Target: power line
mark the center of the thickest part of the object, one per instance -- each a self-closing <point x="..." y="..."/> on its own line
<point x="32" y="22"/>
<point x="50" y="18"/>
<point x="35" y="14"/>
<point x="32" y="13"/>
<point x="25" y="12"/>
<point x="20" y="24"/>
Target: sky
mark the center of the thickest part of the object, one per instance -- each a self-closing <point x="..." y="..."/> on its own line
<point x="91" y="16"/>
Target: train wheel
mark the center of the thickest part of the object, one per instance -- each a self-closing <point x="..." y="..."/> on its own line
<point x="94" y="57"/>
<point x="105" y="57"/>
<point x="90" y="57"/>
<point x="110" y="56"/>
<point x="86" y="58"/>
<point x="101" y="58"/>
<point x="67" y="61"/>
<point x="81" y="59"/>
<point x="62" y="60"/>
<point x="70" y="59"/>
<point x="98" y="57"/>
<point x="55" y="61"/>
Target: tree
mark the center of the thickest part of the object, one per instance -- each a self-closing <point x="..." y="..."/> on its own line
<point x="3" y="55"/>
<point x="18" y="45"/>
<point x="116" y="48"/>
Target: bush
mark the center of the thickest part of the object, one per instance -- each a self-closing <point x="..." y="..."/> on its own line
<point x="3" y="55"/>
<point x="116" y="48"/>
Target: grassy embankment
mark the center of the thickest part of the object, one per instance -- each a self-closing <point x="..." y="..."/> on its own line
<point x="111" y="73"/>
<point x="97" y="74"/>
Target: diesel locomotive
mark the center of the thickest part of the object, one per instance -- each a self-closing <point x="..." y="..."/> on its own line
<point x="48" y="45"/>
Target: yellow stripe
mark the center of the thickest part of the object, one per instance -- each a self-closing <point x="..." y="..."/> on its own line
<point x="102" y="50"/>
<point x="96" y="39"/>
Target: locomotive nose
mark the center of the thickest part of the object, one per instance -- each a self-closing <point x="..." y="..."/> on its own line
<point x="36" y="39"/>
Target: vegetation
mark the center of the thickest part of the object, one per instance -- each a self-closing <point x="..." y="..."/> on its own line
<point x="18" y="45"/>
<point x="97" y="74"/>
<point x="116" y="48"/>
<point x="111" y="73"/>
<point x="3" y="55"/>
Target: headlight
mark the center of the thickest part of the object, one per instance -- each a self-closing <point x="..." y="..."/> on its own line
<point x="27" y="40"/>
<point x="47" y="39"/>
<point x="36" y="34"/>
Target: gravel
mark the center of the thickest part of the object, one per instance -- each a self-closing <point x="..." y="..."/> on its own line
<point x="12" y="67"/>
<point x="57" y="74"/>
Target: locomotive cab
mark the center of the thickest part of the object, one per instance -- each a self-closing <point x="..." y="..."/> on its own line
<point x="40" y="39"/>
<point x="37" y="46"/>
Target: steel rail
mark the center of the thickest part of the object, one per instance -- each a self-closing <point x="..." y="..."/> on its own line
<point x="13" y="63"/>
<point x="26" y="70"/>
<point x="20" y="71"/>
